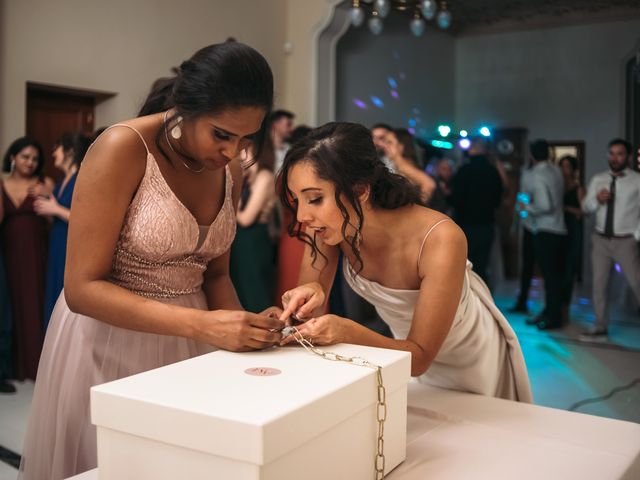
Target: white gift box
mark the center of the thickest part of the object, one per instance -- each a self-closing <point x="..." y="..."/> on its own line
<point x="228" y="416"/>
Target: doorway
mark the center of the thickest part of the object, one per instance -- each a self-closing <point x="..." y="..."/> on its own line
<point x="572" y="148"/>
<point x="54" y="110"/>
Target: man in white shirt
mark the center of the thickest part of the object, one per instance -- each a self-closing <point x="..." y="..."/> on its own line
<point x="546" y="209"/>
<point x="614" y="198"/>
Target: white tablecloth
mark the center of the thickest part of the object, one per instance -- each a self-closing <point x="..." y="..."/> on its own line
<point x="453" y="435"/>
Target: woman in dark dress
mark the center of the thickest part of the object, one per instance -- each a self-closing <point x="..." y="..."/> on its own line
<point x="573" y="196"/>
<point x="5" y="333"/>
<point x="67" y="156"/>
<point x="24" y="240"/>
<point x="252" y="264"/>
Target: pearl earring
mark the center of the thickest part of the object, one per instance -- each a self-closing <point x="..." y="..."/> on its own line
<point x="176" y="132"/>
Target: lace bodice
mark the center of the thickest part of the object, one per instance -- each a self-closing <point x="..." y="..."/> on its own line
<point x="162" y="251"/>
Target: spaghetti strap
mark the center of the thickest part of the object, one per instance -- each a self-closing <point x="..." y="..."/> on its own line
<point x="127" y="126"/>
<point x="427" y="236"/>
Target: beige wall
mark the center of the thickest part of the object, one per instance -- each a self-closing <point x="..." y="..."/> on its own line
<point x="121" y="46"/>
<point x="305" y="20"/>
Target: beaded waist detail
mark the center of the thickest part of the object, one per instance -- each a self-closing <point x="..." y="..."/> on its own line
<point x="158" y="279"/>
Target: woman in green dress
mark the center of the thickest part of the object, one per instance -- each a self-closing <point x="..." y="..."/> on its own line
<point x="252" y="254"/>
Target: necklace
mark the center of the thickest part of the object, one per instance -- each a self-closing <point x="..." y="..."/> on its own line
<point x="179" y="155"/>
<point x="381" y="405"/>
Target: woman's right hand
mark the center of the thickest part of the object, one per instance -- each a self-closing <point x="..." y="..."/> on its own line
<point x="302" y="301"/>
<point x="238" y="331"/>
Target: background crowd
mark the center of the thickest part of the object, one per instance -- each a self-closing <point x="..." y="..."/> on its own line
<point x="265" y="259"/>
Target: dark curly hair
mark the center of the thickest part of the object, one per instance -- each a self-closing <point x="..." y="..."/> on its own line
<point x="344" y="155"/>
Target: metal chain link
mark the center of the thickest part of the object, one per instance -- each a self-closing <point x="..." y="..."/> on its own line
<point x="381" y="406"/>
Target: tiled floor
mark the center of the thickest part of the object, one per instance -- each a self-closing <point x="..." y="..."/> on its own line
<point x="562" y="370"/>
<point x="14" y="410"/>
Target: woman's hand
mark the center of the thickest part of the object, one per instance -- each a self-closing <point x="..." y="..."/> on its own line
<point x="302" y="301"/>
<point x="46" y="206"/>
<point x="324" y="330"/>
<point x="238" y="331"/>
<point x="39" y="190"/>
<point x="273" y="312"/>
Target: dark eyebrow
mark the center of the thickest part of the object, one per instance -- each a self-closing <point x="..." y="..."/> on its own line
<point x="310" y="188"/>
<point x="225" y="131"/>
<point x="233" y="134"/>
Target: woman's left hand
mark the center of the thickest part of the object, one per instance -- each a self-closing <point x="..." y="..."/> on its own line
<point x="323" y="330"/>
<point x="273" y="312"/>
<point x="46" y="206"/>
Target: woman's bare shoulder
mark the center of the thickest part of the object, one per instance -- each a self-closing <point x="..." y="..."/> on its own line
<point x="446" y="245"/>
<point x="118" y="157"/>
<point x="122" y="145"/>
<point x="440" y="230"/>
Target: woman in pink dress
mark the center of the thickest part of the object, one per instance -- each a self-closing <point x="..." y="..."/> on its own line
<point x="147" y="278"/>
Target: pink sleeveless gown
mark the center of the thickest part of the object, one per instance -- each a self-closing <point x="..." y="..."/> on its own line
<point x="161" y="254"/>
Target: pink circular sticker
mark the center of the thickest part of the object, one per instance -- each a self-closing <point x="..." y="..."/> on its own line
<point x="262" y="371"/>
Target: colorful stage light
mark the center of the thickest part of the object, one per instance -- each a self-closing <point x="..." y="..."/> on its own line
<point x="442" y="144"/>
<point x="359" y="103"/>
<point x="444" y="130"/>
<point x="377" y="102"/>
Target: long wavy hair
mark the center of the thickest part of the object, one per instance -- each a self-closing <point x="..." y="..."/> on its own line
<point x="344" y="155"/>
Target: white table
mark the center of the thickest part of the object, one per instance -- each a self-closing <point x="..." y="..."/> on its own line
<point x="453" y="435"/>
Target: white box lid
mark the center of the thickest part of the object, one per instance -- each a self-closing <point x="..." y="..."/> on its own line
<point x="210" y="404"/>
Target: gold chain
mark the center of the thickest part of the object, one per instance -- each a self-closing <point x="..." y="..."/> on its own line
<point x="381" y="406"/>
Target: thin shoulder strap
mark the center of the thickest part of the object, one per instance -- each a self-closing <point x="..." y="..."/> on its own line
<point x="129" y="127"/>
<point x="427" y="236"/>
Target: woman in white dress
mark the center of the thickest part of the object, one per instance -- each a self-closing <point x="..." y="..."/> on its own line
<point x="409" y="261"/>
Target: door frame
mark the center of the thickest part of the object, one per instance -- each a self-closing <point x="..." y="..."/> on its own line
<point x="57" y="96"/>
<point x="579" y="145"/>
